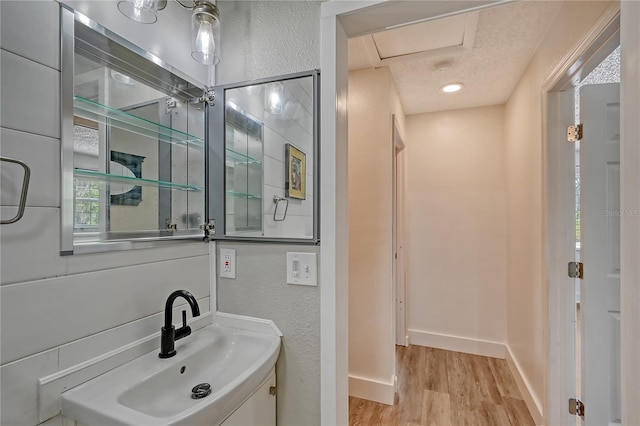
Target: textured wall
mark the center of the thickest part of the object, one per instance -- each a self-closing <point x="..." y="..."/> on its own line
<point x="267" y="38"/>
<point x="260" y="290"/>
<point x="264" y="39"/>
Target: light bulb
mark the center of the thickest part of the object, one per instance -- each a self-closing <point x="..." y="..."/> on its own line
<point x="273" y="102"/>
<point x="204" y="28"/>
<point x="205" y="43"/>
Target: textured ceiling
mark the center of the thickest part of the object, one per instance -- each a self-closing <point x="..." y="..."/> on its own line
<point x="505" y="40"/>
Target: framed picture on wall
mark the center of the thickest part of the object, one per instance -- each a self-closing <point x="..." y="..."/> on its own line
<point x="295" y="171"/>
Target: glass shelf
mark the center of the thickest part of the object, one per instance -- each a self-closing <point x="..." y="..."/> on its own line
<point x="122" y="120"/>
<point x="244" y="195"/>
<point x="241" y="158"/>
<point x="104" y="177"/>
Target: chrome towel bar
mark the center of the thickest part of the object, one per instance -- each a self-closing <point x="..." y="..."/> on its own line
<point x="23" y="194"/>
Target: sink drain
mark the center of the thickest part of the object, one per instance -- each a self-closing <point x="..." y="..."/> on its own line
<point x="201" y="390"/>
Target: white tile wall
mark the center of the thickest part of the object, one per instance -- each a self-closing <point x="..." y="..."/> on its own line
<point x="19" y="381"/>
<point x="37" y="152"/>
<point x="29" y="248"/>
<point x="30" y="96"/>
<point x="102" y="261"/>
<point x="296" y="227"/>
<point x="295" y="135"/>
<point x="30" y="29"/>
<point x="76" y="306"/>
<point x="97" y="344"/>
<point x="59" y="311"/>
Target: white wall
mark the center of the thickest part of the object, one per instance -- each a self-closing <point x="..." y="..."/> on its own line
<point x="372" y="101"/>
<point x="456" y="296"/>
<point x="526" y="284"/>
<point x="260" y="290"/>
<point x="59" y="311"/>
<point x="262" y="39"/>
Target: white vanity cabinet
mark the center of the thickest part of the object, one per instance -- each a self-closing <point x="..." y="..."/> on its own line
<point x="259" y="409"/>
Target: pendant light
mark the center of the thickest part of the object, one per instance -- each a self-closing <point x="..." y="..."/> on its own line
<point x="205" y="26"/>
<point x="143" y="11"/>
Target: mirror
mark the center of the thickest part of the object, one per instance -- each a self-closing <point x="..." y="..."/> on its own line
<point x="136" y="142"/>
<point x="270" y="158"/>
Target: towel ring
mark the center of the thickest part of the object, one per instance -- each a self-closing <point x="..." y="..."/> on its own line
<point x="277" y="200"/>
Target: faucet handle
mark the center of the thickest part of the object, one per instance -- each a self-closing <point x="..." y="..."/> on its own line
<point x="184" y="318"/>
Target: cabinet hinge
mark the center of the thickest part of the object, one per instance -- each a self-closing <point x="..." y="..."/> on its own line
<point x="576" y="407"/>
<point x="576" y="270"/>
<point x="574" y="133"/>
<point x="169" y="104"/>
<point x="272" y="390"/>
<point x="209" y="96"/>
<point x="209" y="228"/>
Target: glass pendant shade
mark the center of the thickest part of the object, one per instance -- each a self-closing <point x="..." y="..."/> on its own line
<point x="143" y="11"/>
<point x="204" y="33"/>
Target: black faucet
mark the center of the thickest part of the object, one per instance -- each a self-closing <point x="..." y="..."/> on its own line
<point x="169" y="334"/>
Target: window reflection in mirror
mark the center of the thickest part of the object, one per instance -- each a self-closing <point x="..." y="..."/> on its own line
<point x="269" y="141"/>
<point x="138" y="157"/>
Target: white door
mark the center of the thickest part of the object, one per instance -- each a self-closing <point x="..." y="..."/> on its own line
<point x="600" y="252"/>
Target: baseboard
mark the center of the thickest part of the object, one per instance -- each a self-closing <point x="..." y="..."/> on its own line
<point x="530" y="398"/>
<point x="372" y="390"/>
<point x="457" y="344"/>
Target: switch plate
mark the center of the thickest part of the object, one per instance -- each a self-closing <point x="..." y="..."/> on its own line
<point x="302" y="268"/>
<point x="227" y="263"/>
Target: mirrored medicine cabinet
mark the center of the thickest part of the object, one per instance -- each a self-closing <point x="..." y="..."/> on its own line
<point x="133" y="145"/>
<point x="269" y="174"/>
<point x="145" y="159"/>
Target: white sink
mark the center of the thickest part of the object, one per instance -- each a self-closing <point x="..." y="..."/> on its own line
<point x="153" y="391"/>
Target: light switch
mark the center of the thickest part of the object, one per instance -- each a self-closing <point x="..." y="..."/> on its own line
<point x="302" y="268"/>
<point x="227" y="263"/>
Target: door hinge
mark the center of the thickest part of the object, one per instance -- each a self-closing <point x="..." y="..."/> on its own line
<point x="574" y="133"/>
<point x="576" y="407"/>
<point x="576" y="270"/>
<point x="273" y="390"/>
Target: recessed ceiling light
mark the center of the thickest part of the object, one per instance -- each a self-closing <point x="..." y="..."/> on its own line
<point x="451" y="88"/>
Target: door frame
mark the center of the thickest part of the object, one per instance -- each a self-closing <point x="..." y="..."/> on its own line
<point x="559" y="207"/>
<point x="338" y="21"/>
<point x="399" y="239"/>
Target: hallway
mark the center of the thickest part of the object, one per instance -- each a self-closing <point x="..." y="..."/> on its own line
<point x="440" y="388"/>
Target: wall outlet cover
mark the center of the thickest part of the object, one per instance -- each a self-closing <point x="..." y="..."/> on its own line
<point x="227" y="263"/>
<point x="302" y="268"/>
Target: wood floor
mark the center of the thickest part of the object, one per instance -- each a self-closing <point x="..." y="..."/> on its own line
<point x="444" y="388"/>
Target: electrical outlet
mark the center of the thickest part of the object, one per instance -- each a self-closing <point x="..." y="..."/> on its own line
<point x="227" y="263"/>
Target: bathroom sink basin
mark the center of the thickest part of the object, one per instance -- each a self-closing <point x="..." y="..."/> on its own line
<point x="154" y="391"/>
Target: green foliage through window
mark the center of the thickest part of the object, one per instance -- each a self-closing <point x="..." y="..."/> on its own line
<point x="86" y="203"/>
